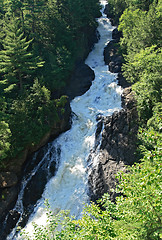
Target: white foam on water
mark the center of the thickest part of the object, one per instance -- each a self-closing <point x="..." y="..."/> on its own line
<point x="67" y="190"/>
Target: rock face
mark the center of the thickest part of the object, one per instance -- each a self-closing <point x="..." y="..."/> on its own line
<point x="79" y="83"/>
<point x="119" y="137"/>
<point x="116" y="34"/>
<point x="81" y="80"/>
<point x="7" y="179"/>
<point x="117" y="148"/>
<point x="8" y="199"/>
<point x="113" y="58"/>
<point x="119" y="134"/>
<point x="110" y="16"/>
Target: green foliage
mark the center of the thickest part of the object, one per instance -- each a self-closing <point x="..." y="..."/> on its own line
<point x="135" y="215"/>
<point x="150" y="137"/>
<point x="140" y="208"/>
<point x="128" y="22"/>
<point x="16" y="62"/>
<point x="31" y="117"/>
<point x="147" y="61"/>
<point x="5" y="133"/>
<point x="144" y="69"/>
<point x="141" y="44"/>
<point x="141" y="4"/>
<point x="140" y="29"/>
<point x="32" y="30"/>
<point x="116" y="8"/>
<point x="155" y="120"/>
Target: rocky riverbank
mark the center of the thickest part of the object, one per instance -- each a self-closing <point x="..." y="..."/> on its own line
<point x="117" y="149"/>
<point x="11" y="175"/>
<point x="119" y="137"/>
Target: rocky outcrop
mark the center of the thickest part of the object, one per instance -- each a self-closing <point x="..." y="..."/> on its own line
<point x="109" y="15"/>
<point x="120" y="129"/>
<point x="119" y="137"/>
<point x="81" y="80"/>
<point x="114" y="59"/>
<point x="78" y="84"/>
<point x="9" y="180"/>
<point x="116" y="35"/>
<point x="8" y="200"/>
<point x="117" y="149"/>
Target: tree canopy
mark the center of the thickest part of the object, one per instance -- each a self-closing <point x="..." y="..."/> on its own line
<point x="137" y="212"/>
<point x="40" y="41"/>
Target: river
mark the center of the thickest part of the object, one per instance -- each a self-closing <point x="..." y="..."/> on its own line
<point x="68" y="188"/>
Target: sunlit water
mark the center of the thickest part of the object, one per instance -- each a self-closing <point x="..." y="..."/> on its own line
<point x="68" y="188"/>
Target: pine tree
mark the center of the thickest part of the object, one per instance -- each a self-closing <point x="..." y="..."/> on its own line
<point x="33" y="14"/>
<point x="16" y="62"/>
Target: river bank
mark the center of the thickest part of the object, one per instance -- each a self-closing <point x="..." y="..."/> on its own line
<point x="119" y="135"/>
<point x="11" y="176"/>
<point x="82" y="71"/>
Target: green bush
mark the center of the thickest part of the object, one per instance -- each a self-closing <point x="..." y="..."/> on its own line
<point x="136" y="214"/>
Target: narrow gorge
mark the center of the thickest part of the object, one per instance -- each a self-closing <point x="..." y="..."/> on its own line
<point x="80" y="164"/>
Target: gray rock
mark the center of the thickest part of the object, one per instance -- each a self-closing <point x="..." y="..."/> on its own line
<point x="116" y="34"/>
<point x="7" y="179"/>
<point x="8" y="197"/>
<point x="117" y="149"/>
<point x="122" y="81"/>
<point x="80" y="81"/>
<point x="112" y="57"/>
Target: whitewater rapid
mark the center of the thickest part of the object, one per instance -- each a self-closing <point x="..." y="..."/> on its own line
<point x="68" y="189"/>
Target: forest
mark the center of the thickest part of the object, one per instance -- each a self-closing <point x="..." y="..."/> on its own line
<point x="26" y="37"/>
<point x="40" y="41"/>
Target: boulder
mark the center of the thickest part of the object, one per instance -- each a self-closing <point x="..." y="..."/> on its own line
<point x="81" y="81"/>
<point x="103" y="178"/>
<point x="122" y="81"/>
<point x="112" y="58"/>
<point x="114" y="61"/>
<point x="116" y="34"/>
<point x="114" y="67"/>
<point x="110" y="51"/>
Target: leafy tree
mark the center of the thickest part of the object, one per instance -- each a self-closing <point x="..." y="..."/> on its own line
<point x="31" y="117"/>
<point x="116" y="8"/>
<point x="147" y="61"/>
<point x="5" y="133"/>
<point x="155" y="120"/>
<point x="144" y="69"/>
<point x="135" y="215"/>
<point x="141" y="4"/>
<point x="128" y="22"/>
<point x="140" y="29"/>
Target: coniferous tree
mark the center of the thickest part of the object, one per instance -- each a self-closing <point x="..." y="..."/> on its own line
<point x="33" y="14"/>
<point x="16" y="62"/>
